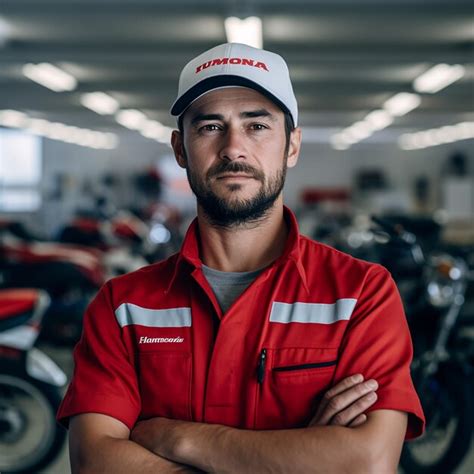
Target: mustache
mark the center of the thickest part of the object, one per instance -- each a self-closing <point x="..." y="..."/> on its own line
<point x="234" y="167"/>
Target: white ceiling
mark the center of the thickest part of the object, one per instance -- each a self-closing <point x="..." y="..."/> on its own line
<point x="345" y="57"/>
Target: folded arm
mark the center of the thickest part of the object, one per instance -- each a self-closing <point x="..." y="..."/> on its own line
<point x="100" y="444"/>
<point x="373" y="447"/>
<point x="340" y="438"/>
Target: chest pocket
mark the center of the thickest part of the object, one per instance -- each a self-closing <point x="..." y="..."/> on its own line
<point x="294" y="381"/>
<point x="165" y="384"/>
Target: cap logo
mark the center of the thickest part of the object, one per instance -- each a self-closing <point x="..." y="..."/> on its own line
<point x="242" y="61"/>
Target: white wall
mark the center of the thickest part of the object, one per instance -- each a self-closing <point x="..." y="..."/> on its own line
<point x="77" y="165"/>
<point x="321" y="166"/>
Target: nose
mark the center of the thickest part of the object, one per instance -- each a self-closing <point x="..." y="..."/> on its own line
<point x="233" y="145"/>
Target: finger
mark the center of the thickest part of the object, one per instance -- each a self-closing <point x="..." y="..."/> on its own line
<point x="345" y="384"/>
<point x="345" y="417"/>
<point x="360" y="420"/>
<point x="340" y="402"/>
<point x="340" y="387"/>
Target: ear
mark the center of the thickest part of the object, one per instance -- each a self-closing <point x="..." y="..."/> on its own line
<point x="294" y="147"/>
<point x="178" y="148"/>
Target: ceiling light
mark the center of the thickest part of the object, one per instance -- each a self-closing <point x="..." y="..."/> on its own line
<point x="100" y="103"/>
<point x="131" y="118"/>
<point x="379" y="119"/>
<point x="438" y="77"/>
<point x="13" y="118"/>
<point x="432" y="137"/>
<point x="402" y="103"/>
<point x="444" y="135"/>
<point x="166" y="136"/>
<point x="360" y="130"/>
<point x="50" y="76"/>
<point x="465" y="130"/>
<point x="70" y="134"/>
<point x="152" y="129"/>
<point x="419" y="140"/>
<point x="4" y="31"/>
<point x="248" y="31"/>
<point x="338" y="143"/>
<point x="57" y="131"/>
<point x="437" y="136"/>
<point x="38" y="126"/>
<point x="406" y="142"/>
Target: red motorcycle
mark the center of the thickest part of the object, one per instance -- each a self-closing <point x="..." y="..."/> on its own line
<point x="70" y="274"/>
<point x="30" y="385"/>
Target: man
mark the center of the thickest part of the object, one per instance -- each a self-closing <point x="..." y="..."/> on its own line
<point x="222" y="358"/>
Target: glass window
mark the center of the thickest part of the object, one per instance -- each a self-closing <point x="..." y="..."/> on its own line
<point x="20" y="171"/>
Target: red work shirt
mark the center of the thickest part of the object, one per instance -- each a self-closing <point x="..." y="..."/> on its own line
<point x="155" y="341"/>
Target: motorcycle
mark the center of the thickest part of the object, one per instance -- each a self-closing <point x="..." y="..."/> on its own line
<point x="433" y="289"/>
<point x="70" y="274"/>
<point x="123" y="238"/>
<point x="30" y="385"/>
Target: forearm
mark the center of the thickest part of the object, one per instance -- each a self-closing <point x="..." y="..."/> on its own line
<point x="117" y="456"/>
<point x="326" y="449"/>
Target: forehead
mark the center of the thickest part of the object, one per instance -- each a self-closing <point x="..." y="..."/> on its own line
<point x="231" y="99"/>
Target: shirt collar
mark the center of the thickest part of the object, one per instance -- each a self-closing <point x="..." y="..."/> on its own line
<point x="190" y="248"/>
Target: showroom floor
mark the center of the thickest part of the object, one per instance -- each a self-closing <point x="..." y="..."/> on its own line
<point x="61" y="466"/>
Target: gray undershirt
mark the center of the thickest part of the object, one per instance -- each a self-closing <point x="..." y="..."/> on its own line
<point x="228" y="286"/>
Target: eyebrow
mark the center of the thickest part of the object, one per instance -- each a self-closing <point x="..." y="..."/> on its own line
<point x="248" y="114"/>
<point x="258" y="113"/>
<point x="203" y="117"/>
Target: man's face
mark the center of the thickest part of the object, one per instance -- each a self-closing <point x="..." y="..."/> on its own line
<point x="235" y="155"/>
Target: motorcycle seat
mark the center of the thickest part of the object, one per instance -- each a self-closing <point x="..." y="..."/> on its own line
<point x="17" y="306"/>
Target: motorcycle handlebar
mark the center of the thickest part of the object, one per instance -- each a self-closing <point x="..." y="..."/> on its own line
<point x="395" y="231"/>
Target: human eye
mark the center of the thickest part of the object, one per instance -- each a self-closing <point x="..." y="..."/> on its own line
<point x="259" y="126"/>
<point x="209" y="127"/>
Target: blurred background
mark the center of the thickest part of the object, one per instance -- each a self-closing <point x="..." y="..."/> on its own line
<point x="89" y="187"/>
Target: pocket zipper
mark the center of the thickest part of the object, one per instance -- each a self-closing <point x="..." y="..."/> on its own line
<point x="262" y="360"/>
<point x="305" y="366"/>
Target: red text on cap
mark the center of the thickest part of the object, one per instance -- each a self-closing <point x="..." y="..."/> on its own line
<point x="241" y="61"/>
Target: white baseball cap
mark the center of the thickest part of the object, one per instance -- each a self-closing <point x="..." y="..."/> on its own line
<point x="235" y="64"/>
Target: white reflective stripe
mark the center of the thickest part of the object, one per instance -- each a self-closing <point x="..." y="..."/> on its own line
<point x="320" y="313"/>
<point x="128" y="313"/>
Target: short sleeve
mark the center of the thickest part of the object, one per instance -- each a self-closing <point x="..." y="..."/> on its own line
<point x="377" y="344"/>
<point x="104" y="379"/>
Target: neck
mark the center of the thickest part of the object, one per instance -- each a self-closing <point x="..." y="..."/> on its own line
<point x="246" y="247"/>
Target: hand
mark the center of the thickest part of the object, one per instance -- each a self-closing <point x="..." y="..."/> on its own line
<point x="345" y="403"/>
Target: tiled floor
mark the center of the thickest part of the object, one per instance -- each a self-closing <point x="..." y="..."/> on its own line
<point x="61" y="465"/>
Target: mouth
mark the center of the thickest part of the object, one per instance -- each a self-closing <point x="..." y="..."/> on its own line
<point x="234" y="176"/>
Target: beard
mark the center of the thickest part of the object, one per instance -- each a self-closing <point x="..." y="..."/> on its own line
<point x="232" y="211"/>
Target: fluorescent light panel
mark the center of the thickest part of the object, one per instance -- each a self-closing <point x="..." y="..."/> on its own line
<point x="58" y="131"/>
<point x="155" y="130"/>
<point x="4" y="31"/>
<point x="50" y="76"/>
<point x="437" y="136"/>
<point x="379" y="119"/>
<point x="247" y="31"/>
<point x="438" y="77"/>
<point x="13" y="118"/>
<point x="131" y="118"/>
<point x="100" y="102"/>
<point x="402" y="103"/>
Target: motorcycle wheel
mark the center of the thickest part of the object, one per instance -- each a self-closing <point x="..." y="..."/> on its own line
<point x="447" y="402"/>
<point x="30" y="438"/>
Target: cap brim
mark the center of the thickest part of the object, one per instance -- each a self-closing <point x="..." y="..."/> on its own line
<point x="216" y="82"/>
